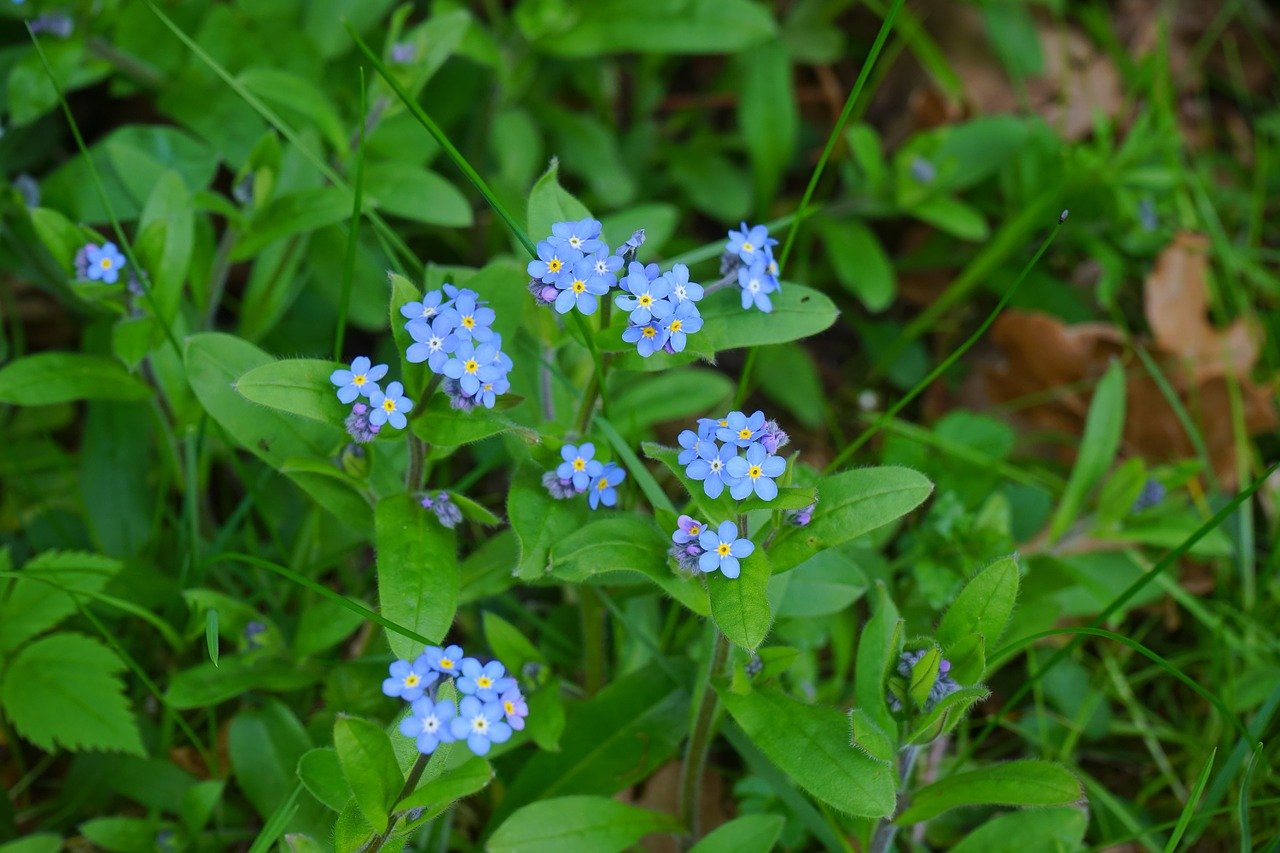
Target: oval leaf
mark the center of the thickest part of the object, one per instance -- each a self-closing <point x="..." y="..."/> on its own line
<point x="417" y="572"/>
<point x="577" y="825"/>
<point x="1016" y="783"/>
<point x="47" y="378"/>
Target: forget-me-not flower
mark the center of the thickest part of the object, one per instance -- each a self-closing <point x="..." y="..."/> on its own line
<point x="772" y="437"/>
<point x="409" y="680"/>
<point x="604" y="267"/>
<point x="487" y="396"/>
<point x="688" y="529"/>
<point x="648" y="338"/>
<point x="360" y="380"/>
<point x="104" y="263"/>
<point x="514" y="707"/>
<point x="756" y="284"/>
<point x="756" y="472"/>
<point x="472" y="318"/>
<point x="681" y="288"/>
<point x="722" y="549"/>
<point x="553" y="259"/>
<point x="711" y="467"/>
<point x="580" y="288"/>
<point x="428" y="309"/>
<point x="472" y="366"/>
<point x="446" y="661"/>
<point x="683" y="321"/>
<point x="603" y="486"/>
<point x="358" y="425"/>
<point x="576" y="461"/>
<point x="484" y="681"/>
<point x="643" y="294"/>
<point x="429" y="723"/>
<point x="480" y="724"/>
<point x="741" y="430"/>
<point x="691" y="441"/>
<point x="389" y="406"/>
<point x="433" y="342"/>
<point x="583" y="235"/>
<point x="750" y="244"/>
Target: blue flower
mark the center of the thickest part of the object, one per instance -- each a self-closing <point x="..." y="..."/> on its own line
<point x="486" y="682"/>
<point x="105" y="263"/>
<point x="682" y="321"/>
<point x="602" y="489"/>
<point x="454" y="292"/>
<point x="501" y="360"/>
<point x="553" y="259"/>
<point x="756" y="472"/>
<point x="576" y="461"/>
<point x="741" y="430"/>
<point x="772" y="437"/>
<point x="389" y="407"/>
<point x="750" y="244"/>
<point x="559" y="487"/>
<point x="643" y="295"/>
<point x="604" y="268"/>
<point x="429" y="723"/>
<point x="722" y="549"/>
<point x="409" y="680"/>
<point x="445" y="661"/>
<point x="434" y="342"/>
<point x="583" y="235"/>
<point x="446" y="511"/>
<point x="579" y="288"/>
<point x="801" y="517"/>
<point x="428" y="309"/>
<point x="711" y="467"/>
<point x="481" y="724"/>
<point x="515" y="708"/>
<point x="472" y="318"/>
<point x="358" y="425"/>
<point x="688" y="529"/>
<point x="681" y="288"/>
<point x="756" y="284"/>
<point x="487" y="396"/>
<point x="691" y="442"/>
<point x="648" y="338"/>
<point x="472" y="366"/>
<point x="631" y="247"/>
<point x="360" y="380"/>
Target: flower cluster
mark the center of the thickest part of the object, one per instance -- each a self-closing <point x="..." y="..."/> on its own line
<point x="944" y="685"/>
<point x="575" y="268"/>
<point x="700" y="548"/>
<point x="100" y="263"/>
<point x="749" y="253"/>
<point x="582" y="472"/>
<point x="446" y="511"/>
<point x="452" y="330"/>
<point x="711" y="455"/>
<point x="379" y="407"/>
<point x="491" y="703"/>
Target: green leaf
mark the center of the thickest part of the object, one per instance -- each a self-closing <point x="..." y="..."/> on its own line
<point x="1036" y="829"/>
<point x="320" y="772"/>
<point x="36" y="601"/>
<point x="299" y="386"/>
<point x="946" y="714"/>
<point x="443" y="791"/>
<point x="43" y="842"/>
<point x="788" y="375"/>
<point x="798" y="312"/>
<point x="351" y="832"/>
<point x="417" y="572"/>
<point x="290" y="215"/>
<point x="414" y="376"/>
<point x="870" y="738"/>
<point x="754" y="833"/>
<point x="539" y="521"/>
<point x="850" y="504"/>
<point x="295" y="96"/>
<point x="265" y="744"/>
<point x="983" y="607"/>
<point x="198" y="803"/>
<point x="861" y="264"/>
<point x="812" y="748"/>
<point x="826" y="583"/>
<point x="1103" y="428"/>
<point x="952" y="216"/>
<point x="878" y="651"/>
<point x="767" y="114"/>
<point x="507" y="644"/>
<point x="121" y="834"/>
<point x="1013" y="35"/>
<point x="369" y="763"/>
<point x="168" y="208"/>
<point x="621" y="26"/>
<point x="441" y="425"/>
<point x="62" y="691"/>
<point x="740" y="606"/>
<point x="47" y="378"/>
<point x="581" y="824"/>
<point x="62" y="237"/>
<point x="1015" y="783"/>
<point x="549" y="203"/>
<point x="923" y="675"/>
<point x="206" y="684"/>
<point x="640" y="402"/>
<point x="407" y="190"/>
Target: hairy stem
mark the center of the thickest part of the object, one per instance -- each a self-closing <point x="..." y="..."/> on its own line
<point x="887" y="830"/>
<point x="415" y="773"/>
<point x="593" y="638"/>
<point x="417" y="456"/>
<point x="695" y="754"/>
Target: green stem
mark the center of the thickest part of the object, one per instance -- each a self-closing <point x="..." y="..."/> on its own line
<point x="587" y="406"/>
<point x="695" y="754"/>
<point x="886" y="830"/>
<point x="417" y="457"/>
<point x="353" y="235"/>
<point x="593" y="638"/>
<point x="415" y="773"/>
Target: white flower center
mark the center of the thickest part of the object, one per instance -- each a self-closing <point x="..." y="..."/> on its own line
<point x="479" y="724"/>
<point x="435" y="343"/>
<point x="680" y="292"/>
<point x="431" y="724"/>
<point x="715" y="466"/>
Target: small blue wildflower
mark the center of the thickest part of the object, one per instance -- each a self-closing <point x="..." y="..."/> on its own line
<point x="722" y="549"/>
<point x="458" y="400"/>
<point x="923" y="171"/>
<point x="710" y="468"/>
<point x="688" y="529"/>
<point x="642" y="294"/>
<point x="750" y="244"/>
<point x="553" y="259"/>
<point x="628" y="250"/>
<point x="603" y="487"/>
<point x="252" y="632"/>
<point x="429" y="723"/>
<point x="756" y="284"/>
<point x="29" y="188"/>
<point x="403" y="53"/>
<point x="409" y="680"/>
<point x="801" y="517"/>
<point x="756" y="473"/>
<point x="604" y="268"/>
<point x="543" y="294"/>
<point x="433" y="342"/>
<point x="472" y="318"/>
<point x="1153" y="492"/>
<point x="576" y="461"/>
<point x="358" y="425"/>
<point x="681" y="287"/>
<point x="580" y="288"/>
<point x="54" y="23"/>
<point x="515" y="708"/>
<point x="683" y="321"/>
<point x="583" y="235"/>
<point x="446" y="511"/>
<point x="772" y="438"/>
<point x="484" y="681"/>
<point x="741" y="430"/>
<point x="389" y="406"/>
<point x="445" y="661"/>
<point x="428" y="309"/>
<point x="488" y="394"/>
<point x="1147" y="216"/>
<point x="360" y="381"/>
<point x="559" y="487"/>
<point x="501" y="360"/>
<point x="454" y="293"/>
<point x="104" y="263"/>
<point x="691" y="441"/>
<point x="481" y="724"/>
<point x="648" y="338"/>
<point x="472" y="366"/>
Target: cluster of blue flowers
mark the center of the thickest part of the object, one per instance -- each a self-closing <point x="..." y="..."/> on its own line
<point x="443" y="507"/>
<point x="453" y="333"/>
<point x="379" y="408"/>
<point x="100" y="263"/>
<point x="575" y="269"/>
<point x="749" y="253"/>
<point x="582" y="472"/>
<point x="699" y="547"/>
<point x="491" y="707"/>
<point x="711" y="455"/>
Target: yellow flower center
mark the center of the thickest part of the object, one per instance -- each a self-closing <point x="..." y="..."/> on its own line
<point x="555" y="265"/>
<point x="723" y="549"/>
<point x="359" y="379"/>
<point x="484" y="682"/>
<point x="509" y="707"/>
<point x="675" y="326"/>
<point x="724" y="422"/>
<point x="105" y="263"/>
<point x="468" y="322"/>
<point x="744" y="433"/>
<point x="694" y="530"/>
<point x="648" y="331"/>
<point x="579" y="285"/>
<point x="603" y="484"/>
<point x="579" y="464"/>
<point x="645" y="301"/>
<point x="388" y="405"/>
<point x="411" y="680"/>
<point x="747" y="247"/>
<point x="754" y="471"/>
<point x="446" y="663"/>
<point x="471" y="366"/>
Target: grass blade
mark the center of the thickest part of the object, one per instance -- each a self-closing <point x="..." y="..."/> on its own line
<point x="652" y="491"/>
<point x="353" y="233"/>
<point x="1190" y="809"/>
